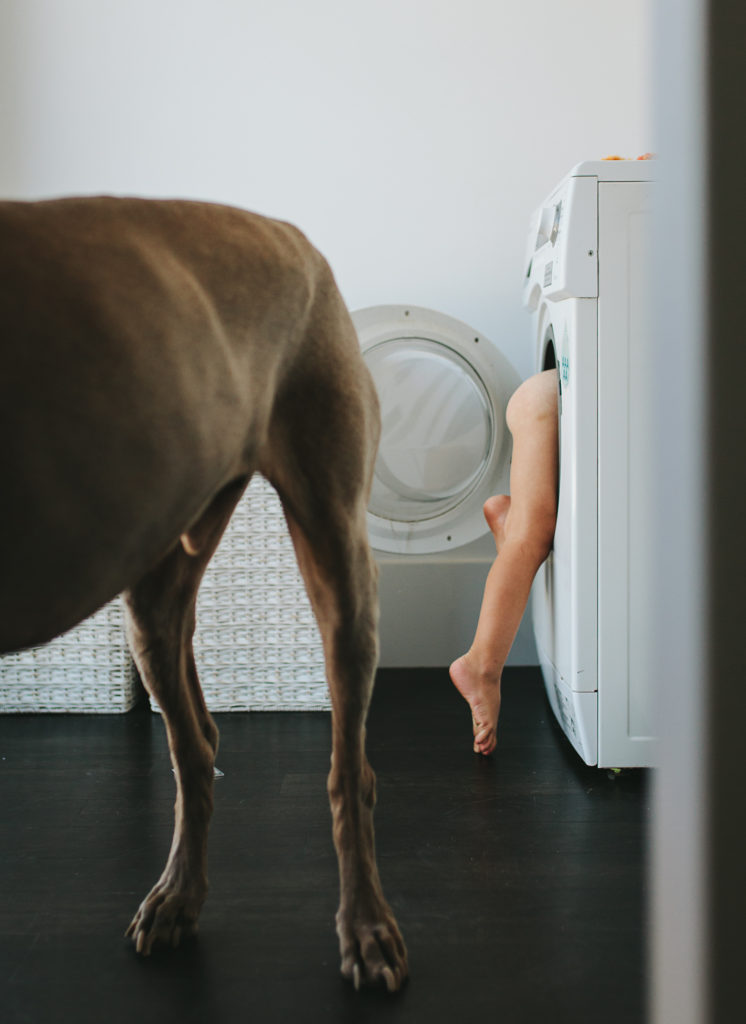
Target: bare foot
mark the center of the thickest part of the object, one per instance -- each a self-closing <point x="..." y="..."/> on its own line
<point x="482" y="694"/>
<point x="495" y="511"/>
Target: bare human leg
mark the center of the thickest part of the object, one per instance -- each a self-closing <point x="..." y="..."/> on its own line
<point x="523" y="527"/>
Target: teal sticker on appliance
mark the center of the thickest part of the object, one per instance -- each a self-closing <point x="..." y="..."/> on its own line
<point x="564" y="359"/>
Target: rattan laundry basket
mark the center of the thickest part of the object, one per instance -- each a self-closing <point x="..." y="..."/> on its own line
<point x="88" y="669"/>
<point x="257" y="645"/>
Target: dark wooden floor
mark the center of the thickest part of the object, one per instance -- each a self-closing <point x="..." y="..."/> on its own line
<point x="517" y="880"/>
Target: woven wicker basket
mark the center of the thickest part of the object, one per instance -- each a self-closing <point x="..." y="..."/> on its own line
<point x="88" y="669"/>
<point x="257" y="645"/>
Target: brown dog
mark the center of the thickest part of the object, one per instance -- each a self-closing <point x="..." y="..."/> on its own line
<point x="154" y="355"/>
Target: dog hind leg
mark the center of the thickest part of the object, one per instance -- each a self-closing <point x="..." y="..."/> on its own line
<point x="325" y="509"/>
<point x="340" y="577"/>
<point x="160" y="625"/>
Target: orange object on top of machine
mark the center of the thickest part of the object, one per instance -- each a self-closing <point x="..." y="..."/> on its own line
<point x="644" y="156"/>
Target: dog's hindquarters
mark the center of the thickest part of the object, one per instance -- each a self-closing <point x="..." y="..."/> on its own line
<point x="318" y="451"/>
<point x="323" y="442"/>
<point x="156" y="353"/>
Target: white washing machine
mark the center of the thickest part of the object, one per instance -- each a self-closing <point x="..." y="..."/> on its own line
<point x="445" y="448"/>
<point x="586" y="288"/>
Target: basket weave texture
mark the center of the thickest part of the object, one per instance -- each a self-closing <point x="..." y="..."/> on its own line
<point x="88" y="669"/>
<point x="257" y="645"/>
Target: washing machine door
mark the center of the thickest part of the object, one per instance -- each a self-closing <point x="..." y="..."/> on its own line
<point x="444" y="447"/>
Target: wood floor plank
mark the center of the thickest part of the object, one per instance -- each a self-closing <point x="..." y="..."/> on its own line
<point x="518" y="880"/>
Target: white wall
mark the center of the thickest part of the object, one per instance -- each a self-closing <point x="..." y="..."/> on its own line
<point x="409" y="138"/>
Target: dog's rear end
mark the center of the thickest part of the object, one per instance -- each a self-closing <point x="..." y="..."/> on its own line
<point x="155" y="355"/>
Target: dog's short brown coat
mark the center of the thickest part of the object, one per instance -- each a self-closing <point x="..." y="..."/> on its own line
<point x="155" y="354"/>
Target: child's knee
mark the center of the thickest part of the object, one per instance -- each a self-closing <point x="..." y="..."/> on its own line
<point x="535" y="399"/>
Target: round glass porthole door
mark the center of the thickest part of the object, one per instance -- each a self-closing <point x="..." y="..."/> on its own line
<point x="434" y="449"/>
<point x="444" y="446"/>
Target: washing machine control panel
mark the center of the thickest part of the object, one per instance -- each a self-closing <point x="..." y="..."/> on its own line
<point x="562" y="257"/>
<point x="550" y="218"/>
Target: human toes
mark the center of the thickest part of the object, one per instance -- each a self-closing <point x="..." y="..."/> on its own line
<point x="485" y="741"/>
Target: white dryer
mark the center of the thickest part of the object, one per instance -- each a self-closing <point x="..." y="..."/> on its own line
<point x="445" y="448"/>
<point x="586" y="287"/>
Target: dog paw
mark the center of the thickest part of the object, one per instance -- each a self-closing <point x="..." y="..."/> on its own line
<point x="373" y="951"/>
<point x="165" y="916"/>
